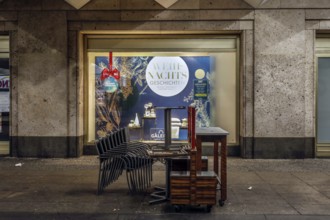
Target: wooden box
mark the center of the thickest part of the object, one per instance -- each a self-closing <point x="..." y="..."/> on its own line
<point x="183" y="192"/>
<point x="183" y="163"/>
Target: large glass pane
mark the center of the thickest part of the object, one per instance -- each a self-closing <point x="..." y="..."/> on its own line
<point x="207" y="77"/>
<point x="323" y="103"/>
<point x="4" y="95"/>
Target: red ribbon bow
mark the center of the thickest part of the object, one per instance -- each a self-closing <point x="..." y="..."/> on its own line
<point x="111" y="71"/>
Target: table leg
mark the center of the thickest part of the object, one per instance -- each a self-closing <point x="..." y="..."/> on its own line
<point x="223" y="142"/>
<point x="216" y="157"/>
<point x="167" y="125"/>
<point x="163" y="194"/>
<point x="198" y="154"/>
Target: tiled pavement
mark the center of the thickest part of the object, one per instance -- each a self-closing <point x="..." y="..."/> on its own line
<point x="257" y="189"/>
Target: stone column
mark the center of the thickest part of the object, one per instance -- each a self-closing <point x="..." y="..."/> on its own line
<point x="281" y="81"/>
<point x="42" y="87"/>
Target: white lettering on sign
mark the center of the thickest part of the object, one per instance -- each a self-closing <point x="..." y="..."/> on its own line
<point x="4" y="82"/>
<point x="167" y="76"/>
<point x="158" y="134"/>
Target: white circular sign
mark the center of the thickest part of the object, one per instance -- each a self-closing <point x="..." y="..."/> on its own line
<point x="167" y="76"/>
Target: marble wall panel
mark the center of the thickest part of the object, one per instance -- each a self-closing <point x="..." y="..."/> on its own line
<point x="312" y="25"/>
<point x="152" y="4"/>
<point x="38" y="32"/>
<point x="317" y="14"/>
<point x="186" y="4"/>
<point x="292" y="4"/>
<point x="73" y="96"/>
<point x="141" y="4"/>
<point x="246" y="25"/>
<point x="224" y="4"/>
<point x="279" y="96"/>
<point x="93" y="16"/>
<point x="21" y="5"/>
<point x="226" y="14"/>
<point x="200" y="25"/>
<point x="325" y="25"/>
<point x="14" y="76"/>
<point x="120" y="26"/>
<point x="310" y="84"/>
<point x="103" y="5"/>
<point x="282" y="31"/>
<point x="8" y="16"/>
<point x="42" y="95"/>
<point x="74" y="25"/>
<point x="42" y="74"/>
<point x="143" y="15"/>
<point x="305" y="4"/>
<point x="10" y="25"/>
<point x="271" y="4"/>
<point x="247" y="84"/>
<point x="56" y="5"/>
<point x="280" y="66"/>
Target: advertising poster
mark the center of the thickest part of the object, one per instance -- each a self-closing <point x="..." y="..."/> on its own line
<point x="131" y="84"/>
<point x="4" y="98"/>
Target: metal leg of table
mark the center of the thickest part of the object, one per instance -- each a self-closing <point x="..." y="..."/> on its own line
<point x="163" y="194"/>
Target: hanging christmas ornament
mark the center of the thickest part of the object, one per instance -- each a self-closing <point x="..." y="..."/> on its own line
<point x="111" y="71"/>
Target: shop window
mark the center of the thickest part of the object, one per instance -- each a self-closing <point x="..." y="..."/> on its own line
<point x="4" y="95"/>
<point x="129" y="77"/>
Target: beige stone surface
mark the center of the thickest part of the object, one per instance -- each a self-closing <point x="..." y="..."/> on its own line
<point x="10" y="26"/>
<point x="246" y="79"/>
<point x="245" y="25"/>
<point x="8" y="16"/>
<point x="120" y="26"/>
<point x="224" y="4"/>
<point x="317" y="14"/>
<point x="141" y="4"/>
<point x="226" y="14"/>
<point x="93" y="15"/>
<point x="2" y="26"/>
<point x="143" y="15"/>
<point x="201" y="25"/>
<point x="103" y="5"/>
<point x="42" y="74"/>
<point x="271" y="4"/>
<point x="312" y="25"/>
<point x="305" y="4"/>
<point x="325" y="25"/>
<point x="310" y="84"/>
<point x="280" y="67"/>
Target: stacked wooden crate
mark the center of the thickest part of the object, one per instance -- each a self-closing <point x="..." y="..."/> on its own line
<point x="193" y="187"/>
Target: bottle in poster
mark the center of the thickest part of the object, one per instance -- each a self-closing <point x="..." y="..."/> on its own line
<point x="136" y="121"/>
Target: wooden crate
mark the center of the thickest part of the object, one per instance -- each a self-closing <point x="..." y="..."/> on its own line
<point x="202" y="192"/>
<point x="183" y="163"/>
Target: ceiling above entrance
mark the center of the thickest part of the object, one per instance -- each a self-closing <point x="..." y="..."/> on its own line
<point x="165" y="3"/>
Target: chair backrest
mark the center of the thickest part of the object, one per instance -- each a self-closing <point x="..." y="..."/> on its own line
<point x="99" y="147"/>
<point x="124" y="135"/>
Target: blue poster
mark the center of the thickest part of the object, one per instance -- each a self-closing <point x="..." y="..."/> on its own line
<point x="146" y="82"/>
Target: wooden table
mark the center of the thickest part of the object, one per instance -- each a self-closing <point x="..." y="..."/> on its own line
<point x="215" y="135"/>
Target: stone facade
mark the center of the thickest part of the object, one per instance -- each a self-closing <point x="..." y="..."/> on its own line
<point x="277" y="88"/>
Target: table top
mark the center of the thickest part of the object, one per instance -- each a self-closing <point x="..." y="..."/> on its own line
<point x="178" y="107"/>
<point x="210" y="131"/>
